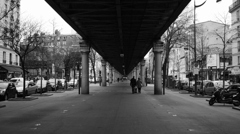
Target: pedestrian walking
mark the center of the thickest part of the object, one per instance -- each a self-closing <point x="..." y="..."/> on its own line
<point x="133" y="84"/>
<point x="139" y="85"/>
<point x="100" y="80"/>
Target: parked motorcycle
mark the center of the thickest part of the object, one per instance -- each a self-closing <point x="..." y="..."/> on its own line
<point x="223" y="96"/>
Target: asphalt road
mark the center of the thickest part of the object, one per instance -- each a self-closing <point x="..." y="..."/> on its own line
<point x="114" y="110"/>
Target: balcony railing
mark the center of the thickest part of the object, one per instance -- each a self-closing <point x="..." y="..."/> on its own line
<point x="234" y="6"/>
<point x="4" y="61"/>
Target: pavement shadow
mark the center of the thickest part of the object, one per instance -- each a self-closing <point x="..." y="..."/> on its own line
<point x="23" y="99"/>
<point x="42" y="95"/>
<point x="2" y="106"/>
<point x="200" y="96"/>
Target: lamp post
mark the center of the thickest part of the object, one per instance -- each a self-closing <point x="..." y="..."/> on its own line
<point x="195" y="53"/>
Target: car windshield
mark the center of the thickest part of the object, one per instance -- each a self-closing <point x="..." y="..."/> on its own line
<point x="13" y="80"/>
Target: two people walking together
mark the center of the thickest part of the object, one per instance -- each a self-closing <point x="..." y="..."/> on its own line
<point x="136" y="85"/>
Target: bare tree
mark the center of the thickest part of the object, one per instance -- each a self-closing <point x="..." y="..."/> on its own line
<point x="175" y="34"/>
<point x="226" y="35"/>
<point x="28" y="32"/>
<point x="93" y="57"/>
<point x="5" y="11"/>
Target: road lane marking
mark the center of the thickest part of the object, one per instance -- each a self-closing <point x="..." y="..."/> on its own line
<point x="64" y="111"/>
<point x="191" y="130"/>
<point x="37" y="124"/>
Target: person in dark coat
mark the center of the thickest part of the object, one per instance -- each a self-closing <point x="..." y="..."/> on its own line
<point x="133" y="84"/>
<point x="139" y="85"/>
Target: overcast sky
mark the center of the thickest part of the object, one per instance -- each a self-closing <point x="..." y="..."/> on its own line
<point x="41" y="11"/>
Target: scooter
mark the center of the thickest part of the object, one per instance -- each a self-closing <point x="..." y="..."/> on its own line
<point x="225" y="97"/>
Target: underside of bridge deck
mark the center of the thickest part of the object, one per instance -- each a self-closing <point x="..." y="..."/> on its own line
<point x="113" y="27"/>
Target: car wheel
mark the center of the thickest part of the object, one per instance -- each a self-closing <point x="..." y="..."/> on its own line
<point x="5" y="97"/>
<point x="16" y="95"/>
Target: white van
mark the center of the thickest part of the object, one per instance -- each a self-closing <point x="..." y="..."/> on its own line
<point x="16" y="80"/>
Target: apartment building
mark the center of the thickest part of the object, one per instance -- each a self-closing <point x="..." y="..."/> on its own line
<point x="234" y="9"/>
<point x="52" y="60"/>
<point x="209" y="49"/>
<point x="9" y="60"/>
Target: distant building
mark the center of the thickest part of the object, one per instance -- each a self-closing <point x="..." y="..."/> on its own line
<point x="55" y="44"/>
<point x="9" y="60"/>
<point x="209" y="53"/>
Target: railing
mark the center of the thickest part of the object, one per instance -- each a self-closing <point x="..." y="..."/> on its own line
<point x="4" y="61"/>
<point x="234" y="6"/>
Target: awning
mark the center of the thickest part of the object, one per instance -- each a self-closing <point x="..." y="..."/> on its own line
<point x="11" y="69"/>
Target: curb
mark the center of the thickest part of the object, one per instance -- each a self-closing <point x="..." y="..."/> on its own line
<point x="237" y="108"/>
<point x="23" y="99"/>
<point x="200" y="96"/>
<point x="56" y="91"/>
<point x="1" y="106"/>
<point x="42" y="95"/>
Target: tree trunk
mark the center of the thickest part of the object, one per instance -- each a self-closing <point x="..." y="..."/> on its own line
<point x="164" y="68"/>
<point x="94" y="74"/>
<point x="23" y="68"/>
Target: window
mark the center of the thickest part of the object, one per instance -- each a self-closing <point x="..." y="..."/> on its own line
<point x="238" y="31"/>
<point x="238" y="46"/>
<point x="238" y="60"/>
<point x="4" y="57"/>
<point x="10" y="58"/>
<point x="237" y="14"/>
<point x="16" y="59"/>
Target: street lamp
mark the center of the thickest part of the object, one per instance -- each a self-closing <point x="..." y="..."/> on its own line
<point x="195" y="52"/>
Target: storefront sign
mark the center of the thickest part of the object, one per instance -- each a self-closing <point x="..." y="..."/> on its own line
<point x="211" y="60"/>
<point x="196" y="71"/>
<point x="235" y="70"/>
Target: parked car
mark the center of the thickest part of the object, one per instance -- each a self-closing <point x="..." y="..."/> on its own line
<point x="16" y="80"/>
<point x="186" y="86"/>
<point x="30" y="88"/>
<point x="44" y="86"/>
<point x="212" y="86"/>
<point x="199" y="85"/>
<point x="52" y="84"/>
<point x="70" y="83"/>
<point x="62" y="81"/>
<point x="232" y="88"/>
<point x="8" y="90"/>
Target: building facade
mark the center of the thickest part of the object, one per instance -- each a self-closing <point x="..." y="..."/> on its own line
<point x="9" y="60"/>
<point x="209" y="48"/>
<point x="58" y="56"/>
<point x="234" y="10"/>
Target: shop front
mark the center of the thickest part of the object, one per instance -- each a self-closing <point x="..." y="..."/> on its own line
<point x="9" y="71"/>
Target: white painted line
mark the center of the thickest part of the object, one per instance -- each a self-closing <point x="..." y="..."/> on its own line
<point x="191" y="130"/>
<point x="37" y="125"/>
